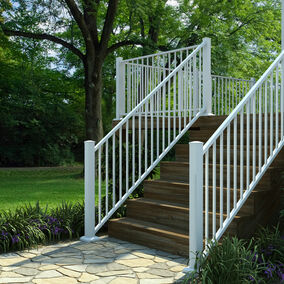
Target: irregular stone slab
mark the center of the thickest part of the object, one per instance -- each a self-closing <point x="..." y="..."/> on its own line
<point x="160" y="265"/>
<point x="177" y="268"/>
<point x="87" y="277"/>
<point x="97" y="260"/>
<point x="31" y="265"/>
<point x="160" y="259"/>
<point x="140" y="269"/>
<point x="143" y="255"/>
<point x="94" y="269"/>
<point x="12" y="261"/>
<point x="126" y="256"/>
<point x="157" y="281"/>
<point x="172" y="263"/>
<point x="27" y="271"/>
<point x="136" y="262"/>
<point x="48" y="267"/>
<point x="147" y="276"/>
<point x="11" y="274"/>
<point x="15" y="280"/>
<point x="104" y="280"/>
<point x="64" y="260"/>
<point x="116" y="266"/>
<point x="161" y="272"/>
<point x="48" y="274"/>
<point x="113" y="273"/>
<point x="70" y="273"/>
<point x="9" y="268"/>
<point x="58" y="280"/>
<point x="79" y="267"/>
<point x="9" y="255"/>
<point x="123" y="280"/>
<point x="26" y="254"/>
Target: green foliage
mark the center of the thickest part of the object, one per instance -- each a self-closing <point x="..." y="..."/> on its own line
<point x="32" y="225"/>
<point x="41" y="121"/>
<point x="259" y="260"/>
<point x="228" y="262"/>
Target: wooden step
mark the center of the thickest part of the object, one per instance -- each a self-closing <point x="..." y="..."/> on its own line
<point x="182" y="154"/>
<point x="169" y="214"/>
<point x="151" y="235"/>
<point x="179" y="171"/>
<point x="205" y="134"/>
<point x="178" y="193"/>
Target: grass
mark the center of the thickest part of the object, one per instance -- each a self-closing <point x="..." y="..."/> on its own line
<point x="47" y="185"/>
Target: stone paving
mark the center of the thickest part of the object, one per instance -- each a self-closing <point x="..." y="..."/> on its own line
<point x="106" y="261"/>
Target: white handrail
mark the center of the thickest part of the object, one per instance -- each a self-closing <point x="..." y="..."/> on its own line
<point x="235" y="112"/>
<point x="161" y="53"/>
<point x="131" y="150"/>
<point x="154" y="91"/>
<point x="240" y="151"/>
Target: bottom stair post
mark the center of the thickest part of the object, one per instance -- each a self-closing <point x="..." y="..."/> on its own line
<point x="195" y="203"/>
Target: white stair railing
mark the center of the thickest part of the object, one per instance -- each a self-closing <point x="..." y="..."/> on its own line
<point x="228" y="92"/>
<point x="137" y="77"/>
<point x="133" y="148"/>
<point x="235" y="158"/>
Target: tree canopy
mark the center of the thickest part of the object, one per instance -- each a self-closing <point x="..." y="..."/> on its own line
<point x="55" y="53"/>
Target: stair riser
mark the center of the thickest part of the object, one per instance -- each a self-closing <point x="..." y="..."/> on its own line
<point x="172" y="244"/>
<point x="204" y="137"/>
<point x="182" y="155"/>
<point x="177" y="219"/>
<point x="248" y="208"/>
<point x="180" y="173"/>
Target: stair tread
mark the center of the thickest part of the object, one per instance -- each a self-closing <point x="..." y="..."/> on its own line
<point x="185" y="185"/>
<point x="209" y="164"/>
<point x="171" y="205"/>
<point x="153" y="227"/>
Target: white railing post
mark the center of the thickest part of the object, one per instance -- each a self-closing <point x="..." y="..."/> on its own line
<point x="89" y="169"/>
<point x="195" y="202"/>
<point x="282" y="25"/>
<point x="120" y="87"/>
<point x="207" y="80"/>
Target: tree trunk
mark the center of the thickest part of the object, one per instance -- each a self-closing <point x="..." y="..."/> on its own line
<point x="93" y="109"/>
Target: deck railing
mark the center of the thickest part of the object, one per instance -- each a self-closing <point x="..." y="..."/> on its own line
<point x="137" y="77"/>
<point x="228" y="92"/>
<point x="116" y="165"/>
<point x="235" y="158"/>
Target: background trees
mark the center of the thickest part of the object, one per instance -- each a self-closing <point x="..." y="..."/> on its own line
<point x="58" y="58"/>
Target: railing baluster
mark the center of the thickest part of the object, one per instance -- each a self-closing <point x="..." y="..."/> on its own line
<point x="106" y="161"/>
<point x="260" y="130"/>
<point x="100" y="185"/>
<point x="113" y="170"/>
<point x="228" y="170"/>
<point x="241" y="153"/>
<point x="133" y="149"/>
<point x="221" y="181"/>
<point x="254" y="137"/>
<point x="271" y="115"/>
<point x="206" y="197"/>
<point x="126" y="156"/>
<point x="248" y="144"/>
<point x="276" y="108"/>
<point x="265" y="123"/>
<point x="235" y="169"/>
<point x="214" y="191"/>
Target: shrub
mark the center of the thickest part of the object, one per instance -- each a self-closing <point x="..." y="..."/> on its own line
<point x="228" y="262"/>
<point x="31" y="225"/>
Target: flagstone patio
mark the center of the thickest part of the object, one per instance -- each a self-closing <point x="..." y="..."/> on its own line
<point x="106" y="261"/>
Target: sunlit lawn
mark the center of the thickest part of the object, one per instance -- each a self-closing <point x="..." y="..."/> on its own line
<point x="48" y="186"/>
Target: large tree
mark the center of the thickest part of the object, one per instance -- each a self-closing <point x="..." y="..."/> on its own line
<point x="91" y="30"/>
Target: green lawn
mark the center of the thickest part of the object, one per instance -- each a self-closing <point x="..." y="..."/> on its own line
<point x="47" y="185"/>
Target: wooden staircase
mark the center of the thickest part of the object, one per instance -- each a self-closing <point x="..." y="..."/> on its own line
<point x="160" y="219"/>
